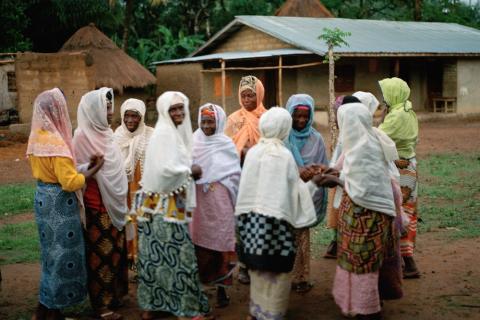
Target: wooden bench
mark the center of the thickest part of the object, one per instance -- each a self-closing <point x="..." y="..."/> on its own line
<point x="444" y="104"/>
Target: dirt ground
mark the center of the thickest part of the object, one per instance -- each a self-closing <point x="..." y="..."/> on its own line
<point x="449" y="287"/>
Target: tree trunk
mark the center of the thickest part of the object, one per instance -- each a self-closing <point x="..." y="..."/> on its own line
<point x="126" y="23"/>
<point x="418" y="10"/>
<point x="331" y="92"/>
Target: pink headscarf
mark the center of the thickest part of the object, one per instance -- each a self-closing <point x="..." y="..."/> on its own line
<point x="51" y="131"/>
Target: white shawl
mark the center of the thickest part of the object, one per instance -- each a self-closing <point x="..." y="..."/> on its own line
<point x="367" y="160"/>
<point x="93" y="136"/>
<point x="217" y="154"/>
<point x="368" y="100"/>
<point x="270" y="183"/>
<point x="168" y="159"/>
<point x="133" y="144"/>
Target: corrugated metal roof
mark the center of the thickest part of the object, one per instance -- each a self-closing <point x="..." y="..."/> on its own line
<point x="368" y="37"/>
<point x="237" y="55"/>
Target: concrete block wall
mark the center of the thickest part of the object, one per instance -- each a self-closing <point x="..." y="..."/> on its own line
<point x="37" y="72"/>
<point x="468" y="97"/>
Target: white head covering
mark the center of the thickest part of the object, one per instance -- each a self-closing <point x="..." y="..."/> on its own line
<point x="94" y="137"/>
<point x="217" y="154"/>
<point x="270" y="183"/>
<point x="133" y="144"/>
<point x="168" y="159"/>
<point x="365" y="166"/>
<point x="369" y="100"/>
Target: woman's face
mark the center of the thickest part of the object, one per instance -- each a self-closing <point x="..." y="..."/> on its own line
<point x="249" y="99"/>
<point x="300" y="119"/>
<point x="109" y="111"/>
<point x="132" y="119"/>
<point x="177" y="113"/>
<point x="208" y="125"/>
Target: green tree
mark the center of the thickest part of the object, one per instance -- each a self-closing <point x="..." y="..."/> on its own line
<point x="333" y="38"/>
<point x="13" y="25"/>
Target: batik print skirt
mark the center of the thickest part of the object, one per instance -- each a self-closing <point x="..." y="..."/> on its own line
<point x="64" y="277"/>
<point x="363" y="237"/>
<point x="409" y="186"/>
<point x="167" y="268"/>
<point x="106" y="260"/>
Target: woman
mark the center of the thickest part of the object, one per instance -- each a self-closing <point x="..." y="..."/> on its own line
<point x="168" y="278"/>
<point x="272" y="201"/>
<point x="50" y="151"/>
<point x="132" y="137"/>
<point x="105" y="200"/>
<point x="401" y="125"/>
<point x="242" y="127"/>
<point x="366" y="212"/>
<point x="308" y="149"/>
<point x="213" y="225"/>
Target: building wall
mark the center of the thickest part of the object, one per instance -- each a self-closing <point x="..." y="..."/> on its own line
<point x="468" y="78"/>
<point x="37" y="72"/>
<point x="151" y="114"/>
<point x="249" y="39"/>
<point x="186" y="78"/>
<point x="8" y="99"/>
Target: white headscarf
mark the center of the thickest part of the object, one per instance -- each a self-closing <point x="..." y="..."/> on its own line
<point x="369" y="100"/>
<point x="217" y="154"/>
<point x="168" y="159"/>
<point x="270" y="183"/>
<point x="93" y="136"/>
<point x="365" y="166"/>
<point x="133" y="144"/>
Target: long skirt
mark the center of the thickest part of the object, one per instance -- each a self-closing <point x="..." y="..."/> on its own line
<point x="168" y="277"/>
<point x="269" y="293"/>
<point x="362" y="242"/>
<point x="409" y="186"/>
<point x="301" y="268"/>
<point x="106" y="260"/>
<point x="64" y="277"/>
<point x="215" y="267"/>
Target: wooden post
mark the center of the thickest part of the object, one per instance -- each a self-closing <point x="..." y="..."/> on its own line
<point x="396" y="69"/>
<point x="331" y="94"/>
<point x="280" y="81"/>
<point x="224" y="98"/>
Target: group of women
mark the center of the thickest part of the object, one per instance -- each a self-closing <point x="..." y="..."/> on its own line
<point x="184" y="208"/>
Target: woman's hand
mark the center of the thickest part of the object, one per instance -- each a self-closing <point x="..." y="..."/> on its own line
<point x="327" y="180"/>
<point x="96" y="162"/>
<point x="306" y="173"/>
<point x="196" y="172"/>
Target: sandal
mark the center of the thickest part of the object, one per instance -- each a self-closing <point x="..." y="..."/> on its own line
<point x="110" y="315"/>
<point x="302" y="287"/>
<point x="150" y="315"/>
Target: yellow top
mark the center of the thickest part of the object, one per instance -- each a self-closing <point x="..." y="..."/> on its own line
<point x="57" y="170"/>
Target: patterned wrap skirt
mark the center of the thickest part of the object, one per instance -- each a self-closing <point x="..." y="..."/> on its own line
<point x="409" y="186"/>
<point x="364" y="241"/>
<point x="168" y="278"/>
<point x="64" y="276"/>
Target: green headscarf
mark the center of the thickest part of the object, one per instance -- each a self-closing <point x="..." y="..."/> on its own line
<point x="400" y="124"/>
<point x="396" y="93"/>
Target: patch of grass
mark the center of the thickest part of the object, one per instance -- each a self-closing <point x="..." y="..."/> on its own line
<point x="19" y="243"/>
<point x="16" y="198"/>
<point x="449" y="194"/>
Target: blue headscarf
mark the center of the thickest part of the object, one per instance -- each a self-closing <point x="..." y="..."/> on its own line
<point x="297" y="139"/>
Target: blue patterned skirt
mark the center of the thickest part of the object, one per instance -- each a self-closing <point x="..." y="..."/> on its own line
<point x="64" y="277"/>
<point x="168" y="278"/>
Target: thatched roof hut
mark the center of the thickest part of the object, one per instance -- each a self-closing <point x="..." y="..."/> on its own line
<point x="113" y="67"/>
<point x="304" y="8"/>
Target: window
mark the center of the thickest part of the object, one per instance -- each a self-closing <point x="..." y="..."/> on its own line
<point x="12" y="85"/>
<point x="344" y="78"/>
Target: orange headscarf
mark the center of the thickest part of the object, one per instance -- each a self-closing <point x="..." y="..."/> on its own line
<point x="242" y="125"/>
